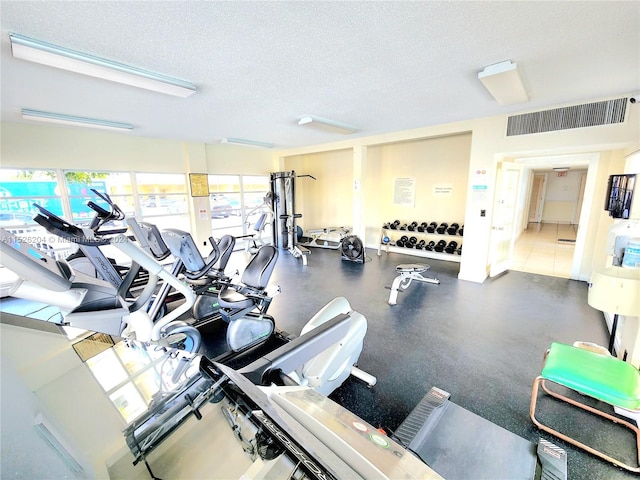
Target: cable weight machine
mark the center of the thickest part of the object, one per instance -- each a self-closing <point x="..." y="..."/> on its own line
<point x="285" y="233"/>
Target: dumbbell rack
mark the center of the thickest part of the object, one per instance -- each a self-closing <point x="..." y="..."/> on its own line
<point x="427" y="236"/>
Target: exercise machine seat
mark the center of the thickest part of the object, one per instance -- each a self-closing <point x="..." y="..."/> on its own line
<point x="412" y="267"/>
<point x="255" y="279"/>
<point x="600" y="376"/>
<point x="225" y="246"/>
<point x="594" y="375"/>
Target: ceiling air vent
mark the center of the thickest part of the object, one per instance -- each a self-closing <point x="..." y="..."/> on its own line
<point x="577" y="116"/>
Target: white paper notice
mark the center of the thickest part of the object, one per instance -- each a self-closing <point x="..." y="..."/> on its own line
<point x="404" y="191"/>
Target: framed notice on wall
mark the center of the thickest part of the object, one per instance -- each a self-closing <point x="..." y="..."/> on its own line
<point x="404" y="191"/>
<point x="199" y="183"/>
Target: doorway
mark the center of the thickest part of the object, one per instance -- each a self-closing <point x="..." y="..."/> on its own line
<point x="547" y="245"/>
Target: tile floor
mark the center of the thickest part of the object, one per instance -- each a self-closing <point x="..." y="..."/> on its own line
<point x="539" y="249"/>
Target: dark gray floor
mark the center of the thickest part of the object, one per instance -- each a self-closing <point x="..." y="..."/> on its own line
<point x="483" y="343"/>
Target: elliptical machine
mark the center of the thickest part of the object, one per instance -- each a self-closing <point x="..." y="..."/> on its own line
<point x="90" y="303"/>
<point x="264" y="222"/>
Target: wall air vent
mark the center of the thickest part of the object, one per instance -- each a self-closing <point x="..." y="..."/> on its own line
<point x="576" y="116"/>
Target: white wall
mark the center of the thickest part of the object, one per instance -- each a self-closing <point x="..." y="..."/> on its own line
<point x="561" y="197"/>
<point x="326" y="201"/>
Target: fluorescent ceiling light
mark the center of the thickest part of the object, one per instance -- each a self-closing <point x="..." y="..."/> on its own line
<point x="325" y="124"/>
<point x="560" y="169"/>
<point x="246" y="143"/>
<point x="47" y="54"/>
<point x="75" y="121"/>
<point x="504" y="83"/>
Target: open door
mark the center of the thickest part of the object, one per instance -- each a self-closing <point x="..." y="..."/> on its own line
<point x="504" y="214"/>
<point x="536" y="203"/>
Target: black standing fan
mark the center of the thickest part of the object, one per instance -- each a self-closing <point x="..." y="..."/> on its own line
<point x="352" y="249"/>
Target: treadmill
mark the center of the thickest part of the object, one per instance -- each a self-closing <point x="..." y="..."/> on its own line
<point x="458" y="444"/>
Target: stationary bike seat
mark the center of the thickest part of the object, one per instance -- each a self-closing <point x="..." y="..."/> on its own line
<point x="412" y="267"/>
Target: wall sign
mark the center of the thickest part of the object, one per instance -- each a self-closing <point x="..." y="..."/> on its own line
<point x="199" y="183"/>
<point x="404" y="191"/>
<point x="443" y="190"/>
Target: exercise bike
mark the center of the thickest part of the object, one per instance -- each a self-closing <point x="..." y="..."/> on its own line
<point x="242" y="305"/>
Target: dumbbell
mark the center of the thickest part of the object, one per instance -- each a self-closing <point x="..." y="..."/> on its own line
<point x="394" y="225"/>
<point x="403" y="226"/>
<point x="385" y="240"/>
<point x="442" y="228"/>
<point x="386" y="226"/>
<point x="451" y="248"/>
<point x="400" y="241"/>
<point x="440" y="246"/>
<point x="459" y="250"/>
<point x="421" y="244"/>
<point x="461" y="230"/>
<point x="423" y="227"/>
<point x="453" y="229"/>
<point x="413" y="241"/>
<point x="432" y="227"/>
<point x="430" y="246"/>
<point x="412" y="226"/>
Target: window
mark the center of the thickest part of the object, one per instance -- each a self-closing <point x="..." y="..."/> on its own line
<point x="132" y="374"/>
<point x="232" y="198"/>
<point x="20" y="189"/>
<point x="163" y="199"/>
<point x="117" y="185"/>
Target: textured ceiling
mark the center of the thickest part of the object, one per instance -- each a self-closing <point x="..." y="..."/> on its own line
<point x="259" y="66"/>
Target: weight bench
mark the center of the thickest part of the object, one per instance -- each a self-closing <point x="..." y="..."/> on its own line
<point x="595" y="375"/>
<point x="409" y="272"/>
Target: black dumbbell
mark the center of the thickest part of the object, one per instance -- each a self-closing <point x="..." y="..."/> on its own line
<point x="403" y="226"/>
<point x="400" y="242"/>
<point x="440" y="246"/>
<point x="394" y="225"/>
<point x="442" y="228"/>
<point x="423" y="227"/>
<point x="421" y="244"/>
<point x="430" y="246"/>
<point x="459" y="250"/>
<point x="411" y="243"/>
<point x="461" y="230"/>
<point x="451" y="248"/>
<point x="412" y="226"/>
<point x="432" y="227"/>
<point x="453" y="229"/>
<point x="386" y="226"/>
